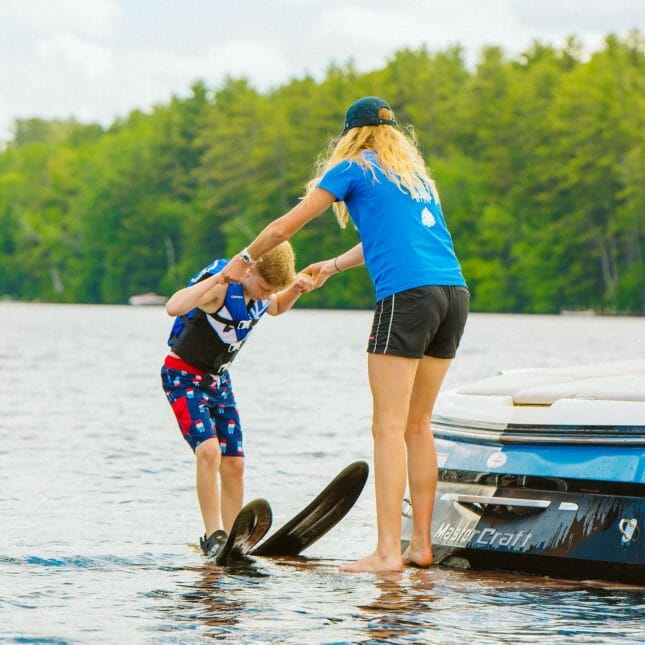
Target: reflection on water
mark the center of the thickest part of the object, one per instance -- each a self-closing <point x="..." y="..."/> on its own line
<point x="206" y="601"/>
<point x="300" y="600"/>
<point x="399" y="609"/>
<point x="98" y="520"/>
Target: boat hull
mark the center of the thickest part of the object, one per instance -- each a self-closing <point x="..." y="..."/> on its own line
<point x="543" y="470"/>
<point x="576" y="534"/>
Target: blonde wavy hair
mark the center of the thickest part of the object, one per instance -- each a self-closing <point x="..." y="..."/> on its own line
<point x="278" y="266"/>
<point x="397" y="153"/>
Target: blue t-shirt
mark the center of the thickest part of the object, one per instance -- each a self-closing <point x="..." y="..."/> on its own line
<point x="406" y="242"/>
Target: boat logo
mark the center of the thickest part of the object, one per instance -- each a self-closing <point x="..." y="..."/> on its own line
<point x="496" y="459"/>
<point x="478" y="538"/>
<point x="629" y="530"/>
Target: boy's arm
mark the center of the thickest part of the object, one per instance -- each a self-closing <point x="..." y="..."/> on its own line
<point x="207" y="294"/>
<point x="283" y="300"/>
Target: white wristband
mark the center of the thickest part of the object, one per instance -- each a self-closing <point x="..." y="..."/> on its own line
<point x="246" y="257"/>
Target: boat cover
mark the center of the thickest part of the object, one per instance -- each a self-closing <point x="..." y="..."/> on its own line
<point x="617" y="381"/>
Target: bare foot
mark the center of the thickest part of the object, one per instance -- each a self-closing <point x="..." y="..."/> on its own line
<point x="418" y="557"/>
<point x="374" y="563"/>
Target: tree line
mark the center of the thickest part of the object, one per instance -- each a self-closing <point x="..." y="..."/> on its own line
<point x="539" y="160"/>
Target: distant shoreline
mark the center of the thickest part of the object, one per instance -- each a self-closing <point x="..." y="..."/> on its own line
<point x="582" y="313"/>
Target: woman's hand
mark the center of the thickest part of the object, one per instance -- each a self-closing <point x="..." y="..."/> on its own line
<point x="303" y="283"/>
<point x="320" y="271"/>
<point x="235" y="271"/>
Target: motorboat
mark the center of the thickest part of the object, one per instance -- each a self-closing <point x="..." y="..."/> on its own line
<point x="147" y="299"/>
<point x="543" y="471"/>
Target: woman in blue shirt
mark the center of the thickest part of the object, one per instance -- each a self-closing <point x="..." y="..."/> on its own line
<point x="375" y="175"/>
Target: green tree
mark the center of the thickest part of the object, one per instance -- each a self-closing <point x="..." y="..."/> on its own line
<point x="538" y="160"/>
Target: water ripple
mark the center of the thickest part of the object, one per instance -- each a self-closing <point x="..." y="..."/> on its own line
<point x="98" y="531"/>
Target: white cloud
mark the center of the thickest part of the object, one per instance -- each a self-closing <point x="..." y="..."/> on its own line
<point x="261" y="62"/>
<point x="594" y="16"/>
<point x="90" y="17"/>
<point x="371" y="32"/>
<point x="68" y="55"/>
<point x="70" y="76"/>
<point x="98" y="59"/>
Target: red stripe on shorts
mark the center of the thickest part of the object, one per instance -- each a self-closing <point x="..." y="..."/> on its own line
<point x="180" y="408"/>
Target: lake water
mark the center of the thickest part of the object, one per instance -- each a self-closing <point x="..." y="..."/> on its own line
<point x="99" y="522"/>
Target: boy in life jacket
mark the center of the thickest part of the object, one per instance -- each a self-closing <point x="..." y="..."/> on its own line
<point x="213" y="322"/>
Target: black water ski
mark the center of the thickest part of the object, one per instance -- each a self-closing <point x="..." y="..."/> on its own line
<point x="250" y="526"/>
<point x="333" y="503"/>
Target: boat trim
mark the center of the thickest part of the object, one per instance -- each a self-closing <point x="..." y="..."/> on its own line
<point x="543" y="485"/>
<point x="451" y="428"/>
<point x="499" y="501"/>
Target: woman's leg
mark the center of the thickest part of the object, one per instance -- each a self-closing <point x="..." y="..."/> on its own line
<point x="422" y="457"/>
<point x="391" y="381"/>
<point x="207" y="462"/>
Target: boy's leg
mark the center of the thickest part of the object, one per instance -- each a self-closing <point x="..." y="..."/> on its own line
<point x="190" y="407"/>
<point x="231" y="470"/>
<point x="207" y="463"/>
<point x="231" y="473"/>
<point x="422" y="457"/>
<point x="391" y="381"/>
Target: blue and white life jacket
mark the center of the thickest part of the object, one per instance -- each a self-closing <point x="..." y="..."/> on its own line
<point x="210" y="342"/>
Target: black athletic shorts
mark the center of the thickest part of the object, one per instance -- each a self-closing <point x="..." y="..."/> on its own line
<point x="424" y="321"/>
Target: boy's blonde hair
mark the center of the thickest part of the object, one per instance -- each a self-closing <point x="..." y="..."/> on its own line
<point x="278" y="266"/>
<point x="397" y="153"/>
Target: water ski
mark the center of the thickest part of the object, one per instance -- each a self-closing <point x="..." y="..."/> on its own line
<point x="322" y="514"/>
<point x="249" y="527"/>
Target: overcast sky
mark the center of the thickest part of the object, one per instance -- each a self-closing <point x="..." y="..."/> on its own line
<point x="99" y="59"/>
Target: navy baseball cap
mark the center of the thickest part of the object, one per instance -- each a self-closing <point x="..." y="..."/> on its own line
<point x="365" y="112"/>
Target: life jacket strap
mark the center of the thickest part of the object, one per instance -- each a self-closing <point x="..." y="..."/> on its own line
<point x="234" y="347"/>
<point x="234" y="324"/>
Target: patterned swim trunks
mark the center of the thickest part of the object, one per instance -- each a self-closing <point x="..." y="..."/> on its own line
<point x="204" y="405"/>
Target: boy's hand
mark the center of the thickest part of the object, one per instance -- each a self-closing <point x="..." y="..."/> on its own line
<point x="320" y="271"/>
<point x="303" y="283"/>
<point x="235" y="271"/>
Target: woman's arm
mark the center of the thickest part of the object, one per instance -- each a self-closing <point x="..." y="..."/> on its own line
<point x="324" y="269"/>
<point x="285" y="299"/>
<point x="278" y="231"/>
<point x="208" y="294"/>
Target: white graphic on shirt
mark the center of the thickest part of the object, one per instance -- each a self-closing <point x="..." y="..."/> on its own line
<point x="227" y="335"/>
<point x="427" y="218"/>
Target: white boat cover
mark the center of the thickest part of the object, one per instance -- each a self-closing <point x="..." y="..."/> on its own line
<point x="616" y="381"/>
